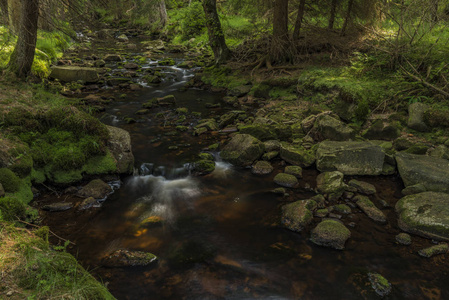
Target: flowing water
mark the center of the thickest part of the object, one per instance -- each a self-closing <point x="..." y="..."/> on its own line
<point x="218" y="236"/>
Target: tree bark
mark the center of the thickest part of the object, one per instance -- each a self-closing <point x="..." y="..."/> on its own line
<point x="299" y="17"/>
<point x="332" y="14"/>
<point x="216" y="37"/>
<point x="159" y="18"/>
<point x="280" y="42"/>
<point x="14" y="12"/>
<point x="4" y="11"/>
<point x="22" y="57"/>
<point x="347" y="17"/>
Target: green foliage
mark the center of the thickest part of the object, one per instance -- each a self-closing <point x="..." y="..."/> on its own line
<point x="100" y="165"/>
<point x="12" y="209"/>
<point x="9" y="180"/>
<point x="220" y="76"/>
<point x="192" y="21"/>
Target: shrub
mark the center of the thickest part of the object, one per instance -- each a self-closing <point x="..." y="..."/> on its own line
<point x="9" y="180"/>
<point x="192" y="21"/>
<point x="12" y="209"/>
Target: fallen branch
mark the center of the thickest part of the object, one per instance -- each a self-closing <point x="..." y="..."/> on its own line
<point x="428" y="84"/>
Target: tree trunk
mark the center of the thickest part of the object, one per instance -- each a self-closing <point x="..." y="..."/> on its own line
<point x="22" y="57"/>
<point x="4" y="11"/>
<point x="14" y="7"/>
<point x="280" y="42"/>
<point x="332" y="15"/>
<point x="299" y="17"/>
<point x="347" y="17"/>
<point x="216" y="37"/>
<point x="158" y="17"/>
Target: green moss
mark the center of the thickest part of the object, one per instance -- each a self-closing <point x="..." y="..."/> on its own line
<point x="204" y="166"/>
<point x="260" y="131"/>
<point x="100" y="165"/>
<point x="9" y="180"/>
<point x="12" y="209"/>
<point x="66" y="177"/>
<point x="23" y="193"/>
<point x="182" y="110"/>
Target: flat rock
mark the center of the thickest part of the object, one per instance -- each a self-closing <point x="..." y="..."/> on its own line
<point x="425" y="214"/>
<point x="297" y="215"/>
<point x="330" y="128"/>
<point x="60" y="206"/>
<point x="242" y="150"/>
<point x="293" y="170"/>
<point x="74" y="73"/>
<point x="434" y="250"/>
<point x="350" y="158"/>
<point x="297" y="155"/>
<point x="330" y="233"/>
<point x="431" y="172"/>
<point x="120" y="146"/>
<point x="97" y="189"/>
<point x="368" y="207"/>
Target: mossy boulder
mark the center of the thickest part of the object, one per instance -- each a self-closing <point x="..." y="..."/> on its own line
<point x="203" y="166"/>
<point x="368" y="207"/>
<point x="297" y="215"/>
<point x="119" y="145"/>
<point x="286" y="180"/>
<point x="112" y="57"/>
<point x="382" y="130"/>
<point x="242" y="150"/>
<point x="9" y="180"/>
<point x="166" y="100"/>
<point x="434" y="250"/>
<point x="331" y="184"/>
<point x="262" y="132"/>
<point x="441" y="151"/>
<point x="362" y="187"/>
<point x="414" y="189"/>
<point x="102" y="164"/>
<point x="330" y="233"/>
<point x="416" y="113"/>
<point x="293" y="170"/>
<point x="425" y="214"/>
<point x="74" y="73"/>
<point x="330" y="128"/>
<point x="240" y="91"/>
<point x="262" y="168"/>
<point x="431" y="172"/>
<point x="209" y="124"/>
<point x="97" y="189"/>
<point x="342" y="209"/>
<point x="127" y="258"/>
<point x="297" y="155"/>
<point x="272" y="145"/>
<point x="350" y="158"/>
<point x="23" y="165"/>
<point x="87" y="203"/>
<point x="379" y="284"/>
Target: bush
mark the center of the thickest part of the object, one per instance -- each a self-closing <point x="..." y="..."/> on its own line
<point x="9" y="180"/>
<point x="12" y="209"/>
<point x="192" y="21"/>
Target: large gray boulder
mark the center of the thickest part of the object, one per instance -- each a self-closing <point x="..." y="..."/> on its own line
<point x="74" y="73"/>
<point x="350" y="158"/>
<point x="416" y="116"/>
<point x="243" y="150"/>
<point x="432" y="172"/>
<point x="329" y="128"/>
<point x="425" y="214"/>
<point x="120" y="146"/>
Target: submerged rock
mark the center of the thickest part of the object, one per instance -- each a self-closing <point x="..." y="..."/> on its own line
<point x="87" y="203"/>
<point x="60" y="206"/>
<point x="74" y="73"/>
<point x="97" y="189"/>
<point x="431" y="172"/>
<point x="362" y="187"/>
<point x="242" y="150"/>
<point x="285" y="180"/>
<point x="262" y="168"/>
<point x="350" y="158"/>
<point x="434" y="250"/>
<point x="330" y="233"/>
<point x="368" y="207"/>
<point x="379" y="284"/>
<point x="297" y="215"/>
<point x="293" y="170"/>
<point x="204" y="166"/>
<point x="425" y="214"/>
<point x="404" y="239"/>
<point x="127" y="258"/>
<point x="331" y="184"/>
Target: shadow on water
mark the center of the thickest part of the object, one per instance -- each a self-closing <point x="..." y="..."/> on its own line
<point x="218" y="236"/>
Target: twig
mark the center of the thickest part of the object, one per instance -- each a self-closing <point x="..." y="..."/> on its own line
<point x="57" y="236"/>
<point x="428" y="84"/>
